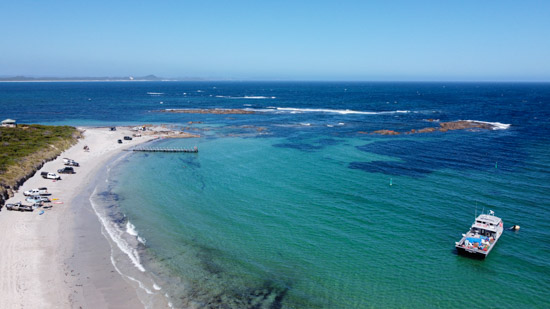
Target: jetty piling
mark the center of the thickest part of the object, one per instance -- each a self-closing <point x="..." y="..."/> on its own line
<point x="159" y="149"/>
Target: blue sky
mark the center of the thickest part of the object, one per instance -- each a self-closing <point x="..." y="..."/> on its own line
<point x="278" y="40"/>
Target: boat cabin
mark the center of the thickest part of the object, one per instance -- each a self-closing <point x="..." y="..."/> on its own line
<point x="486" y="225"/>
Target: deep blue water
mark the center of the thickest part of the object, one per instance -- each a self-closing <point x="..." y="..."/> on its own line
<point x="291" y="207"/>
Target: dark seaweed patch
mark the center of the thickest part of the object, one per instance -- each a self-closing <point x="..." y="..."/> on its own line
<point x="461" y="151"/>
<point x="390" y="168"/>
<point x="299" y="146"/>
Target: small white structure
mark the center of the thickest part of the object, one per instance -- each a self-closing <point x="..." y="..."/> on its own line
<point x="9" y="123"/>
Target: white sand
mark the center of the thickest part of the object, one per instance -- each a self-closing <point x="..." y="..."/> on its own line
<point x="34" y="249"/>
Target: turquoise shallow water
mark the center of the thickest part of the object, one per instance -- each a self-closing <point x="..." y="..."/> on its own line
<point x="291" y="207"/>
<point x="244" y="221"/>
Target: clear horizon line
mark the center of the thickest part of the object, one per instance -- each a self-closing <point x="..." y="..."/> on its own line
<point x="154" y="78"/>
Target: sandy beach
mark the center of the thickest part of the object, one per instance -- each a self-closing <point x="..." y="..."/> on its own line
<point x="61" y="259"/>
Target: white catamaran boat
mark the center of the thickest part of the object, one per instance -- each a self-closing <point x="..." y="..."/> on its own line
<point x="482" y="236"/>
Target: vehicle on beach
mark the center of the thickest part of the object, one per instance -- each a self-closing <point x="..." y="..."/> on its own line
<point x="48" y="175"/>
<point x="39" y="191"/>
<point x="36" y="199"/>
<point x="19" y="207"/>
<point x="119" y="141"/>
<point x="66" y="170"/>
<point x="127" y="138"/>
<point x="482" y="236"/>
<point x="39" y="198"/>
<point x="70" y="162"/>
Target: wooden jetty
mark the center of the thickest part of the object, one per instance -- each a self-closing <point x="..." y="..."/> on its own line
<point x="157" y="149"/>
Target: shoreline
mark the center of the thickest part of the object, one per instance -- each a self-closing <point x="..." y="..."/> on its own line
<point x="61" y="259"/>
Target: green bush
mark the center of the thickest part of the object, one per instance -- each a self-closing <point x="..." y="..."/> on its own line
<point x="26" y="146"/>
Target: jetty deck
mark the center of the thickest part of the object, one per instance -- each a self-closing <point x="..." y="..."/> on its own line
<point x="157" y="149"/>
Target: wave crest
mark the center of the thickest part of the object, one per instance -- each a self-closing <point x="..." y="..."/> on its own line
<point x="295" y="110"/>
<point x="494" y="125"/>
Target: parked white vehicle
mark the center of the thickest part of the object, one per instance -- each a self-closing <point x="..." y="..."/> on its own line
<point x="50" y="176"/>
<point x="39" y="191"/>
<point x="70" y="162"/>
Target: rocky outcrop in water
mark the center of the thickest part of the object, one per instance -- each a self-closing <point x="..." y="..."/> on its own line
<point x="443" y="127"/>
<point x="386" y="132"/>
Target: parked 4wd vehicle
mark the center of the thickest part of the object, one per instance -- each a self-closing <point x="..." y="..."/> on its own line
<point x="50" y="176"/>
<point x="127" y="138"/>
<point x="39" y="191"/>
<point x="66" y="170"/>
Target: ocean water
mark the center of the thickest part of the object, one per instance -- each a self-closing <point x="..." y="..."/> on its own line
<point x="292" y="207"/>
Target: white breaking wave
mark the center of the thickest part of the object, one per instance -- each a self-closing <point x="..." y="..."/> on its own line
<point x="141" y="285"/>
<point x="131" y="229"/>
<point x="155" y="93"/>
<point x="257" y="97"/>
<point x="494" y="125"/>
<point x="116" y="235"/>
<point x="294" y="110"/>
<point x="156" y="287"/>
<point x="252" y="97"/>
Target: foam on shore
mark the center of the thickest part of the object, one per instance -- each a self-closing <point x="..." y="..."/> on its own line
<point x="115" y="235"/>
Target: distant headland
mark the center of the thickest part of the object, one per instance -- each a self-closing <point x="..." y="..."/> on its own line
<point x="95" y="79"/>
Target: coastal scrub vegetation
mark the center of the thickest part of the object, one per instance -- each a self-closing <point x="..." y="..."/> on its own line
<point x="24" y="149"/>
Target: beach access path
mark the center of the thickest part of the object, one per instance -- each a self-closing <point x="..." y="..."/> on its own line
<point x="36" y="250"/>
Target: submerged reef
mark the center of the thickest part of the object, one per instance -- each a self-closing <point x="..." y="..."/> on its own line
<point x="208" y="111"/>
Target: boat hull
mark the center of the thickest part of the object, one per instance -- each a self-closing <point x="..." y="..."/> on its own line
<point x="472" y="254"/>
